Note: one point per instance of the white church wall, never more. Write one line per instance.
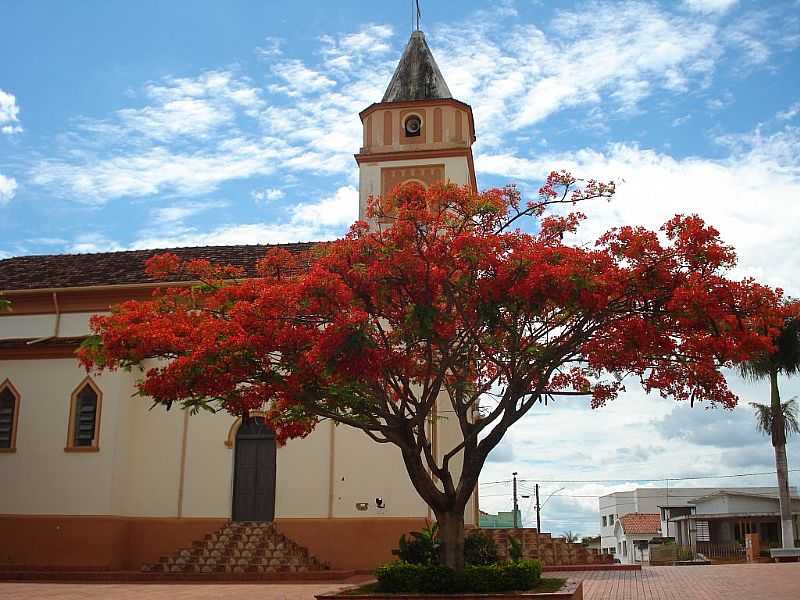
(456, 170)
(36, 326)
(366, 470)
(302, 486)
(120, 477)
(154, 455)
(208, 475)
(40, 477)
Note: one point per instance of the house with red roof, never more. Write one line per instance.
(633, 532)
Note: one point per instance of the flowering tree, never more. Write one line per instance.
(451, 311)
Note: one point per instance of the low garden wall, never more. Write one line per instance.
(572, 590)
(545, 548)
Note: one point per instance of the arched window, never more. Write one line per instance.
(9, 417)
(84, 418)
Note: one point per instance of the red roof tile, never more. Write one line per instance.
(112, 268)
(641, 523)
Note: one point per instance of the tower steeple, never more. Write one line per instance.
(418, 132)
(417, 76)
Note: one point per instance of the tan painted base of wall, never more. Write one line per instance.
(124, 543)
(94, 542)
(356, 543)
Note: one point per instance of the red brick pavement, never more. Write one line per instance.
(176, 591)
(715, 582)
(718, 582)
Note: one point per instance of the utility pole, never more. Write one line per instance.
(538, 511)
(516, 503)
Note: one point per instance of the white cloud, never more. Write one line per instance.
(9, 122)
(248, 233)
(194, 107)
(8, 189)
(182, 211)
(790, 113)
(678, 121)
(344, 52)
(747, 196)
(710, 6)
(340, 210)
(268, 194)
(614, 55)
(325, 219)
(298, 80)
(93, 242)
(721, 102)
(186, 116)
(609, 60)
(97, 180)
(271, 47)
(748, 36)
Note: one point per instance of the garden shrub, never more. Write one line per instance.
(484, 579)
(422, 548)
(480, 549)
(514, 549)
(402, 577)
(523, 574)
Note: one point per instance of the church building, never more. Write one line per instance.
(92, 478)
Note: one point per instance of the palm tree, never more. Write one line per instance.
(570, 537)
(779, 419)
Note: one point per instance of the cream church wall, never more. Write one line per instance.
(208, 471)
(41, 478)
(35, 326)
(374, 137)
(456, 170)
(137, 471)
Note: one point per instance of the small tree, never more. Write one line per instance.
(779, 419)
(450, 305)
(570, 537)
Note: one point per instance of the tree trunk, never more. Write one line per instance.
(451, 537)
(787, 529)
(781, 464)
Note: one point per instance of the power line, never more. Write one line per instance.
(635, 480)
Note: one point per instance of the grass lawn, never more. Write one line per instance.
(550, 584)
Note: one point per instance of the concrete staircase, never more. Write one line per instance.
(542, 546)
(248, 547)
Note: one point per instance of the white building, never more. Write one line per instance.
(669, 503)
(632, 533)
(92, 478)
(724, 518)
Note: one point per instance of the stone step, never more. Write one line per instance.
(239, 548)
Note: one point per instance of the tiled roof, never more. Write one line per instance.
(113, 268)
(641, 522)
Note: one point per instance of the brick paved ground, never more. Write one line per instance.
(728, 582)
(178, 591)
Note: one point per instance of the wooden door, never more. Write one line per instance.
(254, 472)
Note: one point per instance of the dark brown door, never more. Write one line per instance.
(254, 472)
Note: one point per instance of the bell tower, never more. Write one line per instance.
(417, 132)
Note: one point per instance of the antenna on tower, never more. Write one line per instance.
(417, 15)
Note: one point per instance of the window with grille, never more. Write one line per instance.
(702, 532)
(9, 406)
(84, 417)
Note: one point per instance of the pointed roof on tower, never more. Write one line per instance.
(417, 77)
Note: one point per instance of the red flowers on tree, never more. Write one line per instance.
(447, 299)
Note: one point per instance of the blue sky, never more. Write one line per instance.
(156, 124)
